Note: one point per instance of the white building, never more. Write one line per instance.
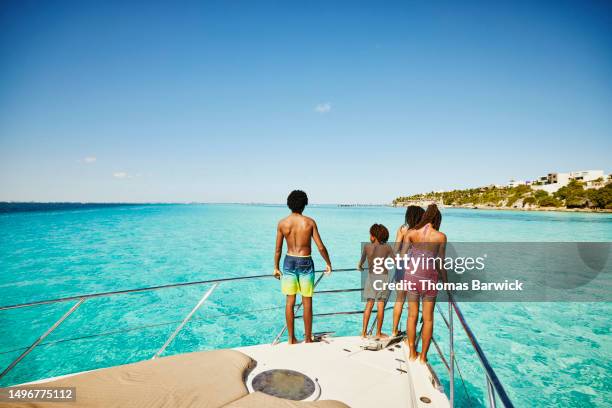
(559, 178)
(549, 188)
(587, 175)
(554, 181)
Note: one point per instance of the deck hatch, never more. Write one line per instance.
(286, 384)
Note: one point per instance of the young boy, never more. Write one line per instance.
(377, 248)
(298, 268)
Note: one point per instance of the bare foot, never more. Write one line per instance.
(413, 355)
(381, 335)
(394, 333)
(422, 359)
(292, 340)
(308, 339)
(364, 335)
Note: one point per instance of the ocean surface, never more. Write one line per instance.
(546, 354)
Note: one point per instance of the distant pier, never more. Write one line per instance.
(419, 203)
(363, 205)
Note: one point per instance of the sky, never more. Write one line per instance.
(242, 101)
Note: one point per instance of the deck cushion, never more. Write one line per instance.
(261, 400)
(209, 379)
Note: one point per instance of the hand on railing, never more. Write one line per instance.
(328, 270)
(277, 273)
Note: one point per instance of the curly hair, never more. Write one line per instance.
(380, 232)
(297, 201)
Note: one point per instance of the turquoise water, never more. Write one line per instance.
(546, 354)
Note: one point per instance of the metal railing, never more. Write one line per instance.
(494, 387)
(82, 298)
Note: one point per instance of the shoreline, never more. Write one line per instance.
(542, 209)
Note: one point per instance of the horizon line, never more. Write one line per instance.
(178, 202)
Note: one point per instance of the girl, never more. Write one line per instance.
(412, 218)
(429, 244)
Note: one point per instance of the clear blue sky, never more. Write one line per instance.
(243, 101)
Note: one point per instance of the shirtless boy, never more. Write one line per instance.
(377, 248)
(298, 268)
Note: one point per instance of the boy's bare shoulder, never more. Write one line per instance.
(368, 247)
(309, 221)
(283, 221)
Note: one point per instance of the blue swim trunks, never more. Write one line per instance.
(298, 276)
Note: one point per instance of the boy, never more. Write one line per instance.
(298, 268)
(377, 248)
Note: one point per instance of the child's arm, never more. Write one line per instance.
(362, 260)
(321, 247)
(399, 240)
(277, 253)
(391, 253)
(442, 255)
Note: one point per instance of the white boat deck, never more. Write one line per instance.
(352, 375)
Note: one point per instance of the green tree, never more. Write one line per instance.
(512, 200)
(522, 189)
(550, 202)
(574, 194)
(573, 189)
(601, 198)
(529, 201)
(540, 194)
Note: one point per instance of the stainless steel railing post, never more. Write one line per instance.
(185, 320)
(452, 353)
(500, 392)
(490, 392)
(42, 337)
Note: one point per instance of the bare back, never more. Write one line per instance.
(427, 238)
(375, 250)
(298, 231)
